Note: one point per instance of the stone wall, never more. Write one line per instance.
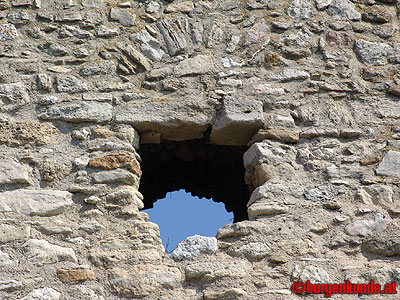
(311, 87)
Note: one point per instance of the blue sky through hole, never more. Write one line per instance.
(180, 215)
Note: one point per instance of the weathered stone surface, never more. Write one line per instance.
(322, 4)
(344, 9)
(13, 173)
(35, 202)
(8, 32)
(390, 164)
(6, 261)
(315, 275)
(42, 252)
(183, 6)
(123, 16)
(210, 271)
(237, 121)
(103, 68)
(70, 84)
(135, 55)
(386, 242)
(143, 280)
(9, 233)
(88, 111)
(173, 37)
(106, 32)
(367, 227)
(193, 246)
(175, 120)
(13, 96)
(117, 160)
(73, 275)
(149, 46)
(43, 294)
(283, 135)
(300, 9)
(115, 176)
(200, 64)
(372, 54)
(21, 133)
(289, 75)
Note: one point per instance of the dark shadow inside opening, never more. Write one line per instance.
(204, 170)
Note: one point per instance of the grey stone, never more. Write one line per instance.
(173, 37)
(93, 3)
(149, 46)
(390, 164)
(386, 243)
(256, 250)
(71, 84)
(197, 29)
(152, 7)
(46, 293)
(42, 252)
(18, 18)
(8, 32)
(89, 111)
(91, 226)
(103, 68)
(9, 233)
(175, 119)
(300, 9)
(344, 9)
(13, 96)
(106, 32)
(48, 100)
(10, 285)
(54, 49)
(123, 16)
(368, 227)
(289, 75)
(319, 194)
(13, 173)
(258, 33)
(322, 4)
(135, 55)
(6, 261)
(193, 246)
(315, 275)
(116, 176)
(180, 6)
(371, 53)
(237, 121)
(35, 202)
(200, 64)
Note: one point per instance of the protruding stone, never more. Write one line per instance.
(123, 16)
(237, 121)
(390, 164)
(43, 294)
(13, 173)
(35, 202)
(89, 111)
(13, 96)
(368, 227)
(200, 64)
(8, 32)
(193, 246)
(42, 252)
(174, 39)
(344, 9)
(300, 9)
(71, 84)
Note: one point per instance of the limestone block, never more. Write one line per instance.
(88, 111)
(13, 173)
(116, 176)
(300, 9)
(149, 46)
(13, 96)
(315, 275)
(175, 120)
(70, 84)
(173, 37)
(344, 9)
(123, 16)
(6, 261)
(368, 227)
(200, 64)
(237, 121)
(42, 252)
(35, 202)
(145, 279)
(43, 294)
(386, 242)
(390, 164)
(193, 246)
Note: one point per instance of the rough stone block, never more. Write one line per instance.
(193, 246)
(175, 120)
(89, 111)
(237, 121)
(13, 173)
(42, 252)
(35, 202)
(390, 164)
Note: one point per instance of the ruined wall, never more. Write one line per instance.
(311, 87)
